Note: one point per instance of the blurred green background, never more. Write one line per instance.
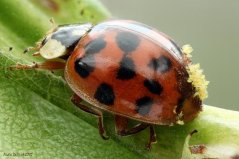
(211, 27)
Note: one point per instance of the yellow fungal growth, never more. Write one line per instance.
(187, 50)
(196, 76)
(198, 80)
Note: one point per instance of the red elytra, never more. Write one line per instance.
(126, 68)
(148, 71)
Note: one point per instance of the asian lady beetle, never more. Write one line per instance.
(126, 68)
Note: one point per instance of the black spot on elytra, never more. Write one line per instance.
(95, 46)
(105, 94)
(153, 86)
(143, 105)
(84, 66)
(161, 64)
(127, 41)
(180, 105)
(126, 70)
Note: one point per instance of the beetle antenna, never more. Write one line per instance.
(36, 48)
(29, 49)
(52, 21)
(36, 53)
(54, 26)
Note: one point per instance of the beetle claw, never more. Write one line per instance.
(105, 137)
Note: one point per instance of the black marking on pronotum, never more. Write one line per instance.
(10, 48)
(84, 66)
(161, 64)
(126, 70)
(65, 37)
(143, 105)
(105, 94)
(180, 105)
(127, 41)
(153, 86)
(69, 35)
(95, 46)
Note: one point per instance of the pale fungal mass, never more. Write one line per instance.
(196, 76)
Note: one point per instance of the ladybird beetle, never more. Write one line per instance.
(128, 69)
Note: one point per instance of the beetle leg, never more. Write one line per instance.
(77, 101)
(121, 125)
(152, 137)
(47, 65)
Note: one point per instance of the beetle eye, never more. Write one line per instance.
(44, 41)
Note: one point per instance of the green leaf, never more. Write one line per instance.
(31, 124)
(37, 117)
